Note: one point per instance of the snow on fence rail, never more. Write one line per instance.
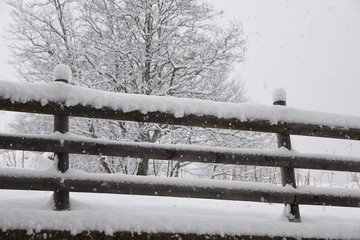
(71, 143)
(63, 100)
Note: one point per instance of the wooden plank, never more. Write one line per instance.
(288, 173)
(61, 198)
(174, 152)
(61, 124)
(189, 120)
(327, 200)
(15, 234)
(139, 188)
(255, 194)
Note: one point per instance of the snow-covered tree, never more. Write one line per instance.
(152, 47)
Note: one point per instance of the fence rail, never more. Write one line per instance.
(290, 128)
(64, 144)
(101, 183)
(90, 146)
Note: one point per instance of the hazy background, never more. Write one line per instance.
(311, 48)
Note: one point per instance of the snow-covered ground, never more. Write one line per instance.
(33, 211)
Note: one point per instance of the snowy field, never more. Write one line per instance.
(33, 211)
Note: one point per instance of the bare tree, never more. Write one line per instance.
(152, 47)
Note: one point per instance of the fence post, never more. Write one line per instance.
(62, 73)
(287, 174)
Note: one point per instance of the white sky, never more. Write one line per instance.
(7, 73)
(311, 48)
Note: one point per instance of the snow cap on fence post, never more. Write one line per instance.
(62, 73)
(279, 94)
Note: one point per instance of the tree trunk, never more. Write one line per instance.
(104, 164)
(143, 167)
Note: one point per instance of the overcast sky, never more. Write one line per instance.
(311, 48)
(6, 71)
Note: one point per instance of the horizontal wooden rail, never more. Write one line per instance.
(290, 128)
(51, 184)
(176, 188)
(81, 145)
(58, 234)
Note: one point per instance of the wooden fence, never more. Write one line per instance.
(63, 145)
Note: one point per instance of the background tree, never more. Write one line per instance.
(153, 47)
